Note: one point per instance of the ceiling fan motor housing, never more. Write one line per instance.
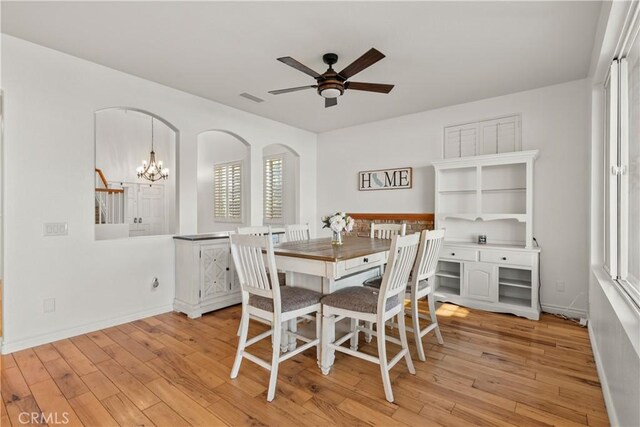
(330, 84)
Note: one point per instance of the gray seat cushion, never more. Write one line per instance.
(363, 299)
(376, 282)
(291, 299)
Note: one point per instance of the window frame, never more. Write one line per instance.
(227, 218)
(265, 218)
(616, 170)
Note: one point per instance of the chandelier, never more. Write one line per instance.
(152, 171)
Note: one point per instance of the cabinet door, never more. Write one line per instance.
(214, 264)
(480, 281)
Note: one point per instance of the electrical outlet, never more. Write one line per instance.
(55, 229)
(560, 286)
(49, 305)
(155, 283)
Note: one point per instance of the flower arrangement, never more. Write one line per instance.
(338, 222)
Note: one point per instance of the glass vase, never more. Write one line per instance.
(336, 239)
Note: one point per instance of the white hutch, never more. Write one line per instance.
(489, 195)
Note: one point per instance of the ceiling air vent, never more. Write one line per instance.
(251, 97)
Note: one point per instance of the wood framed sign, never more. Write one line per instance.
(385, 179)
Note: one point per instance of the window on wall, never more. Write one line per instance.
(274, 189)
(622, 168)
(227, 191)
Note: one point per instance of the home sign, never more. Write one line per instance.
(385, 179)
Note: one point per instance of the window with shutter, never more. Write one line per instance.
(227, 191)
(274, 189)
(499, 135)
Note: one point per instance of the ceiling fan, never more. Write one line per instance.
(331, 84)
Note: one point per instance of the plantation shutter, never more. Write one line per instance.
(227, 191)
(273, 188)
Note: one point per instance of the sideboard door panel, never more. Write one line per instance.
(214, 262)
(480, 281)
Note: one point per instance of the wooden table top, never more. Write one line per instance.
(323, 250)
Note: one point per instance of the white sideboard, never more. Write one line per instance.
(489, 195)
(205, 274)
(205, 277)
(498, 278)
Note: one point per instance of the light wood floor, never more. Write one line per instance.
(169, 371)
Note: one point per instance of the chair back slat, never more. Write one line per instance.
(387, 231)
(428, 252)
(256, 269)
(402, 256)
(297, 232)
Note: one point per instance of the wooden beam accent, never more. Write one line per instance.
(109, 190)
(394, 216)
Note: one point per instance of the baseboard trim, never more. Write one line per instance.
(604, 385)
(10, 347)
(566, 311)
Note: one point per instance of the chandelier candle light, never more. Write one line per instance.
(338, 222)
(152, 171)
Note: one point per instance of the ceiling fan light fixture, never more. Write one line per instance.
(330, 92)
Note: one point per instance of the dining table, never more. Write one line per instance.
(321, 266)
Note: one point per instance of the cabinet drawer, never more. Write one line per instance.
(513, 258)
(459, 254)
(355, 263)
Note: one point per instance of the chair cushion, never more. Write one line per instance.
(376, 282)
(363, 299)
(291, 299)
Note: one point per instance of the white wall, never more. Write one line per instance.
(50, 100)
(554, 120)
(123, 141)
(213, 148)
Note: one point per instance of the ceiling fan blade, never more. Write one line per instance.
(369, 87)
(330, 102)
(291, 89)
(366, 60)
(298, 66)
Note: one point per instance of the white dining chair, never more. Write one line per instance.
(264, 298)
(387, 231)
(363, 303)
(423, 274)
(297, 232)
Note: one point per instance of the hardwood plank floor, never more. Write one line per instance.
(168, 370)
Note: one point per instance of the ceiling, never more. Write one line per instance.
(438, 53)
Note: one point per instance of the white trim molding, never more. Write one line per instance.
(10, 347)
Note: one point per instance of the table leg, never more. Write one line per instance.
(328, 337)
(293, 327)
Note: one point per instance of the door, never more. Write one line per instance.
(214, 271)
(480, 281)
(131, 209)
(151, 209)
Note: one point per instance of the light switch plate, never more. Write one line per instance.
(55, 229)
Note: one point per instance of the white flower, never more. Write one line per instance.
(342, 214)
(350, 224)
(338, 226)
(335, 218)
